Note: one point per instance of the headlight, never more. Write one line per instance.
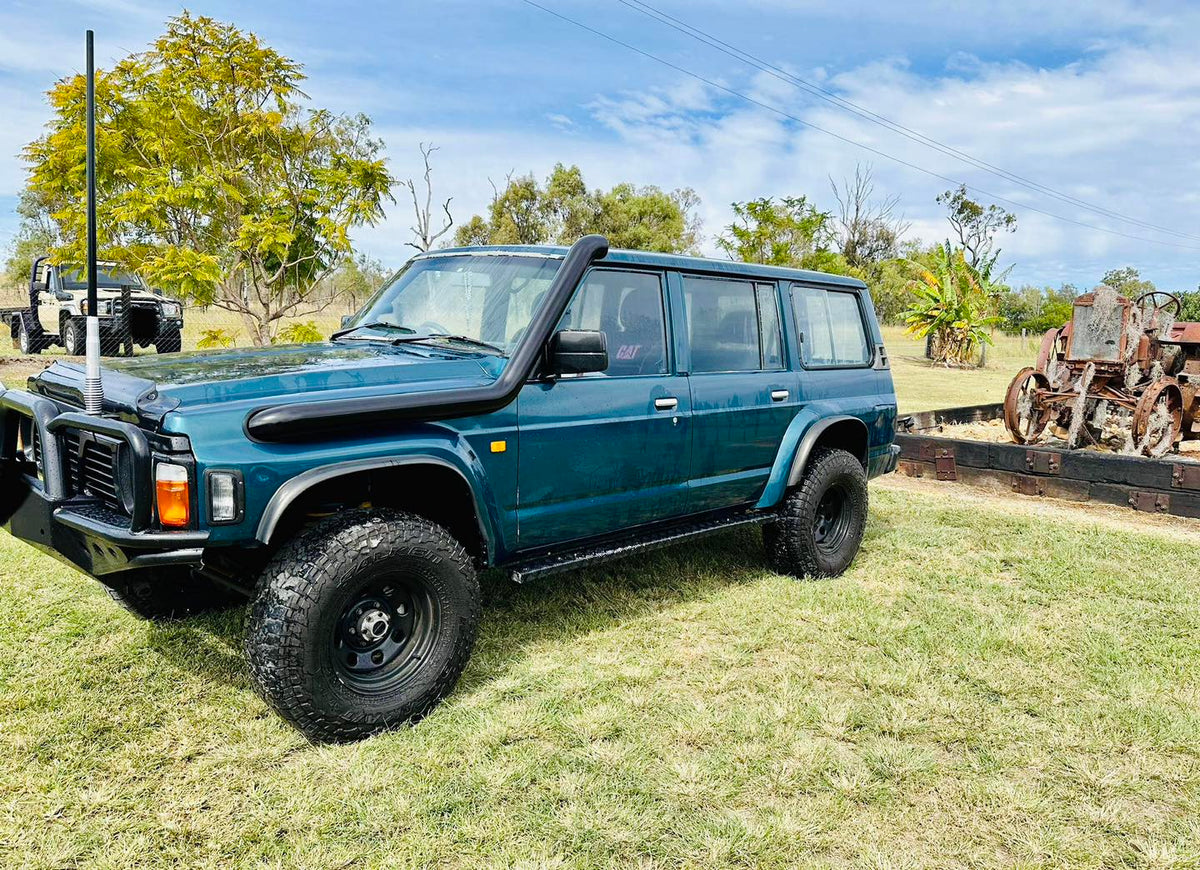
(103, 307)
(172, 309)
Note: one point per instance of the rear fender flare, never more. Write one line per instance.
(798, 442)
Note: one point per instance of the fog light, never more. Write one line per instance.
(222, 497)
(171, 487)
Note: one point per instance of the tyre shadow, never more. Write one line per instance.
(515, 616)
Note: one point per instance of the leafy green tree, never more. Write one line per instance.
(563, 209)
(1190, 306)
(952, 304)
(36, 235)
(213, 180)
(976, 225)
(789, 231)
(1128, 282)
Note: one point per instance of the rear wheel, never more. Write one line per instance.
(25, 341)
(822, 521)
(163, 595)
(362, 622)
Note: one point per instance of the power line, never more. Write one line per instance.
(894, 126)
(899, 160)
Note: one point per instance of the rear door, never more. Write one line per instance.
(47, 310)
(743, 396)
(836, 351)
(605, 451)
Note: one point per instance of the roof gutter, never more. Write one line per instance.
(307, 419)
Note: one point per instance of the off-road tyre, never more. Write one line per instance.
(165, 595)
(169, 342)
(794, 543)
(25, 342)
(74, 338)
(304, 609)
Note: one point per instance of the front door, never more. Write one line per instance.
(47, 309)
(604, 452)
(743, 396)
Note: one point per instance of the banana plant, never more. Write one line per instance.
(952, 303)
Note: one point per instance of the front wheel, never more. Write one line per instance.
(822, 521)
(362, 622)
(73, 337)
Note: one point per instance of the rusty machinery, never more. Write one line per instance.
(1118, 371)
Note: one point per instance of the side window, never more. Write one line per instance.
(733, 325)
(768, 326)
(831, 326)
(628, 308)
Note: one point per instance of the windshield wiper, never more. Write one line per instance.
(375, 324)
(465, 339)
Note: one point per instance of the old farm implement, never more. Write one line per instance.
(1121, 374)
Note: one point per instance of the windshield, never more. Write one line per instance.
(480, 298)
(106, 276)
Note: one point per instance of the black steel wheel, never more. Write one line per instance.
(822, 520)
(362, 622)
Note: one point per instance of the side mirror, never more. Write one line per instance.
(158, 291)
(346, 318)
(578, 351)
(63, 296)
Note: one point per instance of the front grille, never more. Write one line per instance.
(92, 466)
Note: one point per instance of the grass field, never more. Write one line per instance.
(996, 682)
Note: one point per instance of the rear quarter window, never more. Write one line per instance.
(832, 330)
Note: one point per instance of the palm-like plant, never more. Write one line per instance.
(952, 303)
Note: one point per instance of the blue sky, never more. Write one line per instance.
(1098, 100)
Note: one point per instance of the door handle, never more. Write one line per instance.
(667, 404)
(779, 395)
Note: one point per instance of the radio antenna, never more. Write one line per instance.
(93, 387)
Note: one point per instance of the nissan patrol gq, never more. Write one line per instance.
(531, 409)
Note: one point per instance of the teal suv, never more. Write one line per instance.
(531, 409)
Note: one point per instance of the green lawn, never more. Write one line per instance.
(1002, 692)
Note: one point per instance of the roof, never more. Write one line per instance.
(662, 261)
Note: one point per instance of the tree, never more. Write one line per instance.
(36, 235)
(423, 233)
(563, 209)
(1128, 282)
(952, 304)
(213, 181)
(868, 230)
(975, 225)
(787, 232)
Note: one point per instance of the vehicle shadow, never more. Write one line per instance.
(515, 616)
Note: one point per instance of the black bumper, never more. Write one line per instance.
(36, 507)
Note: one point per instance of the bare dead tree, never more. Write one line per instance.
(869, 230)
(423, 231)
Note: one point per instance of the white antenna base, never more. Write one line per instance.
(93, 388)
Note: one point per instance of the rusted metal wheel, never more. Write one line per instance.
(1049, 345)
(1158, 418)
(1024, 414)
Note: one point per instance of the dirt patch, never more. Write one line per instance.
(995, 430)
(16, 370)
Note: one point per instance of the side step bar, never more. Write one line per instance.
(651, 539)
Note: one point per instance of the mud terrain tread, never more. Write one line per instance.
(789, 542)
(283, 609)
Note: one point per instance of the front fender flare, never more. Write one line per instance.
(797, 445)
(295, 487)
